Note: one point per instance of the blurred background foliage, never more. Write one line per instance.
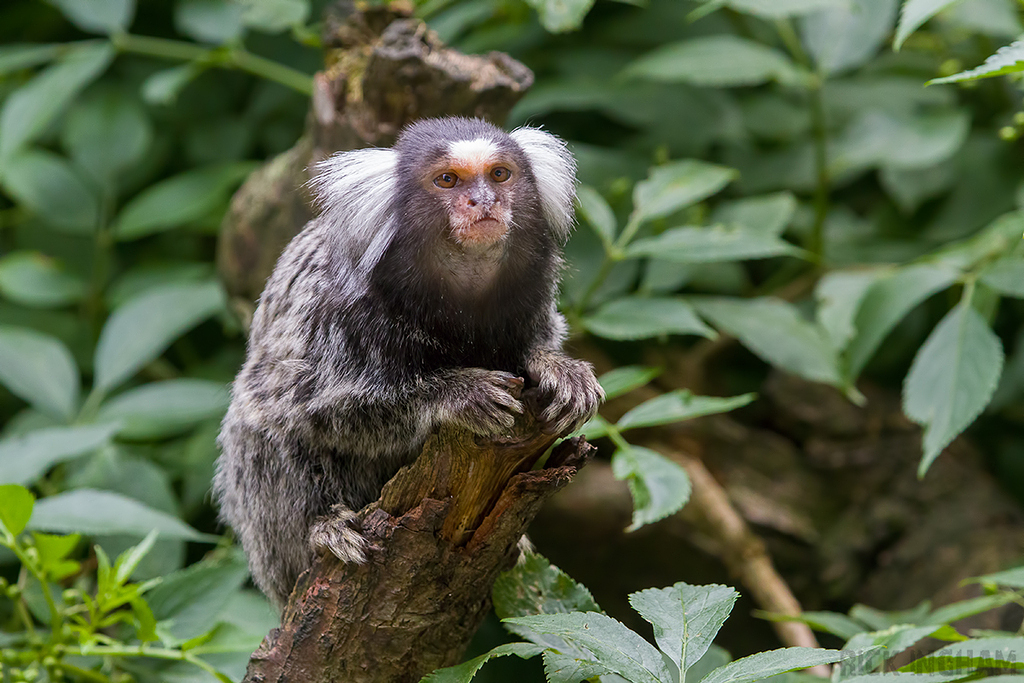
(772, 171)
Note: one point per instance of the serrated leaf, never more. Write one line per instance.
(33, 279)
(1008, 59)
(614, 647)
(179, 200)
(767, 215)
(625, 379)
(140, 330)
(1006, 276)
(692, 244)
(98, 16)
(719, 61)
(559, 16)
(952, 379)
(839, 294)
(595, 210)
(845, 37)
(210, 21)
(107, 134)
(39, 369)
(189, 601)
(16, 504)
(659, 486)
(765, 664)
(677, 185)
(886, 303)
(160, 409)
(30, 109)
(535, 586)
(1002, 653)
(679, 405)
(642, 318)
(914, 14)
(685, 618)
(776, 332)
(463, 673)
(27, 55)
(24, 459)
(48, 186)
(91, 512)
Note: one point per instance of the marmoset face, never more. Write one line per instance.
(477, 183)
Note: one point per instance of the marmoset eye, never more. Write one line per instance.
(446, 180)
(500, 174)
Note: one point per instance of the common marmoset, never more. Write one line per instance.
(422, 295)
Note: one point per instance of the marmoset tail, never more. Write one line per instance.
(422, 295)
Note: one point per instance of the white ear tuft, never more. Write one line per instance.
(555, 170)
(356, 191)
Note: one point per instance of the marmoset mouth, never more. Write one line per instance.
(482, 232)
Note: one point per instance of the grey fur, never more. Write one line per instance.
(359, 347)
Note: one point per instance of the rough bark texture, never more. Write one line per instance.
(384, 70)
(442, 530)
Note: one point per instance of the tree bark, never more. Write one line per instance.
(441, 532)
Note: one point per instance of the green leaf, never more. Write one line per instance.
(1011, 578)
(692, 244)
(613, 647)
(180, 200)
(27, 55)
(778, 9)
(39, 369)
(160, 409)
(1008, 59)
(274, 16)
(896, 677)
(878, 646)
(107, 134)
(188, 602)
(947, 614)
(15, 508)
(1006, 276)
(685, 618)
(30, 109)
(53, 551)
(210, 21)
(899, 141)
(98, 16)
(848, 35)
(33, 279)
(463, 673)
(677, 185)
(91, 512)
(163, 87)
(140, 330)
(830, 622)
(839, 294)
(535, 586)
(642, 318)
(128, 560)
(559, 16)
(659, 486)
(597, 213)
(914, 14)
(952, 379)
(679, 405)
(48, 186)
(719, 61)
(886, 303)
(1002, 653)
(595, 428)
(776, 332)
(24, 459)
(767, 215)
(765, 664)
(625, 379)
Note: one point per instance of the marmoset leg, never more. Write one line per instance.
(570, 387)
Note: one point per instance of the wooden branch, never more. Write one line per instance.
(441, 532)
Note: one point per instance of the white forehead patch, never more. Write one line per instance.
(472, 153)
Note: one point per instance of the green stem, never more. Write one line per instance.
(56, 621)
(616, 436)
(84, 673)
(237, 57)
